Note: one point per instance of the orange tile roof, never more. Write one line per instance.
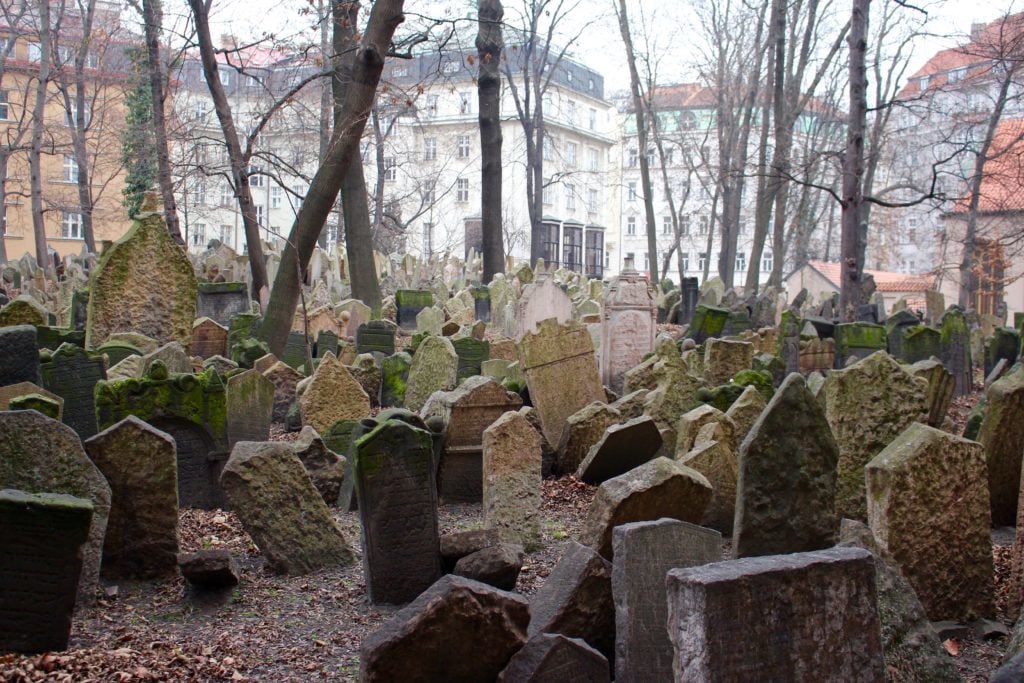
(1002, 183)
(885, 281)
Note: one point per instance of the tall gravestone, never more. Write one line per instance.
(628, 326)
(434, 368)
(332, 394)
(956, 348)
(143, 283)
(511, 480)
(19, 355)
(394, 479)
(409, 302)
(1001, 434)
(41, 537)
(250, 406)
(71, 372)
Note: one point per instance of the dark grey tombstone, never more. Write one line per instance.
(553, 658)
(41, 536)
(471, 352)
(789, 341)
(394, 479)
(920, 343)
(72, 373)
(294, 353)
(394, 378)
(376, 336)
(482, 303)
(623, 447)
(339, 438)
(409, 302)
(1004, 345)
(221, 301)
(956, 348)
(79, 308)
(326, 342)
(896, 326)
(19, 355)
(199, 466)
(690, 288)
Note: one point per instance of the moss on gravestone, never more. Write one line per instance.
(44, 404)
(248, 351)
(757, 378)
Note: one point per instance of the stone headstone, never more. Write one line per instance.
(762, 618)
(376, 336)
(497, 565)
(143, 283)
(744, 412)
(19, 355)
(71, 372)
(512, 479)
(940, 388)
(250, 407)
(209, 338)
(333, 394)
(540, 301)
(920, 343)
(724, 358)
(326, 469)
(628, 326)
(786, 490)
(409, 303)
(707, 322)
(1003, 345)
(24, 310)
(394, 379)
(41, 538)
(857, 341)
(621, 448)
(896, 326)
(716, 460)
(457, 630)
(1001, 435)
(472, 353)
(644, 554)
(269, 490)
(935, 306)
(434, 368)
(394, 480)
(220, 301)
(140, 465)
(284, 378)
(583, 429)
(12, 392)
(553, 658)
(172, 355)
(920, 486)
(956, 349)
(41, 455)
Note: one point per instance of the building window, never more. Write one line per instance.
(702, 222)
(200, 191)
(592, 119)
(400, 71)
(259, 214)
(275, 197)
(34, 53)
(570, 154)
(549, 243)
(462, 145)
(225, 77)
(428, 239)
(549, 149)
(957, 75)
(669, 154)
(684, 259)
(255, 177)
(465, 103)
(571, 112)
(198, 234)
(647, 262)
(630, 225)
(684, 224)
(630, 258)
(548, 195)
(666, 225)
(595, 249)
(767, 262)
(431, 109)
(741, 261)
(71, 117)
(592, 204)
(634, 157)
(632, 190)
(428, 195)
(429, 149)
(462, 190)
(71, 225)
(568, 76)
(224, 234)
(5, 108)
(592, 159)
(572, 247)
(70, 169)
(390, 168)
(650, 157)
(570, 197)
(252, 81)
(227, 195)
(702, 262)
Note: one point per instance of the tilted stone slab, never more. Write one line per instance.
(623, 447)
(553, 658)
(1002, 436)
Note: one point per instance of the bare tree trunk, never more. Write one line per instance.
(378, 188)
(239, 172)
(763, 206)
(5, 156)
(326, 106)
(385, 16)
(641, 136)
(489, 44)
(853, 232)
(38, 128)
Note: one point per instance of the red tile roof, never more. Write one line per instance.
(1002, 183)
(885, 281)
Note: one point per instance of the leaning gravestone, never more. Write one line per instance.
(623, 447)
(553, 658)
(277, 504)
(941, 386)
(644, 554)
(511, 480)
(394, 479)
(250, 406)
(923, 484)
(71, 372)
(142, 532)
(143, 283)
(786, 490)
(540, 301)
(1001, 435)
(326, 469)
(40, 455)
(707, 322)
(434, 368)
(41, 535)
(19, 355)
(772, 618)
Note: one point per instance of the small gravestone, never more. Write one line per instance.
(38, 454)
(434, 368)
(935, 306)
(584, 429)
(221, 301)
(744, 412)
(409, 302)
(921, 343)
(956, 349)
(785, 499)
(41, 538)
(326, 469)
(857, 341)
(481, 303)
(332, 394)
(723, 358)
(623, 447)
(940, 388)
(117, 351)
(708, 321)
(44, 404)
(716, 460)
(394, 379)
(644, 554)
(250, 406)
(693, 421)
(472, 353)
(172, 355)
(511, 480)
(140, 465)
(896, 326)
(19, 355)
(553, 658)
(340, 438)
(1001, 435)
(1003, 345)
(72, 373)
(209, 338)
(12, 392)
(280, 509)
(24, 310)
(540, 301)
(284, 378)
(394, 480)
(294, 352)
(430, 320)
(771, 618)
(924, 483)
(358, 314)
(376, 336)
(326, 342)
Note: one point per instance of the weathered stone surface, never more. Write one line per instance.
(278, 506)
(788, 617)
(941, 387)
(457, 630)
(472, 353)
(786, 489)
(394, 379)
(140, 465)
(326, 469)
(434, 368)
(19, 355)
(576, 600)
(209, 338)
(284, 378)
(1001, 435)
(716, 460)
(744, 412)
(644, 554)
(250, 407)
(956, 348)
(458, 544)
(553, 658)
(41, 455)
(40, 562)
(43, 404)
(11, 392)
(541, 301)
(144, 283)
(659, 488)
(71, 372)
(24, 310)
(913, 650)
(628, 326)
(333, 394)
(172, 355)
(561, 373)
(221, 301)
(369, 375)
(394, 480)
(920, 486)
(512, 479)
(375, 336)
(621, 448)
(497, 565)
(583, 430)
(857, 341)
(128, 368)
(1010, 672)
(408, 304)
(693, 421)
(209, 569)
(723, 358)
(868, 405)
(631, 405)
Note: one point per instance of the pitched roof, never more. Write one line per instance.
(885, 281)
(1002, 182)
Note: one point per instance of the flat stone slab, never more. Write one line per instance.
(623, 447)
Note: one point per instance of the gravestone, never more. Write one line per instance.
(250, 407)
(935, 306)
(409, 303)
(1003, 345)
(284, 378)
(644, 554)
(209, 338)
(561, 373)
(340, 438)
(19, 355)
(582, 431)
(358, 312)
(800, 617)
(140, 465)
(430, 321)
(326, 342)
(708, 321)
(172, 355)
(1001, 435)
(744, 412)
(269, 490)
(71, 372)
(41, 455)
(434, 368)
(24, 310)
(716, 460)
(789, 341)
(956, 349)
(332, 394)
(28, 396)
(394, 379)
(41, 538)
(481, 303)
(294, 352)
(221, 301)
(921, 343)
(786, 489)
(690, 292)
(467, 411)
(921, 485)
(553, 658)
(394, 480)
(512, 480)
(540, 301)
(326, 469)
(143, 283)
(117, 351)
(623, 447)
(472, 353)
(857, 341)
(376, 336)
(896, 325)
(628, 326)
(940, 388)
(723, 358)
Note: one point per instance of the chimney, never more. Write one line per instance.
(976, 31)
(228, 41)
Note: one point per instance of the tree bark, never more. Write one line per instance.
(853, 239)
(385, 16)
(38, 128)
(489, 43)
(4, 158)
